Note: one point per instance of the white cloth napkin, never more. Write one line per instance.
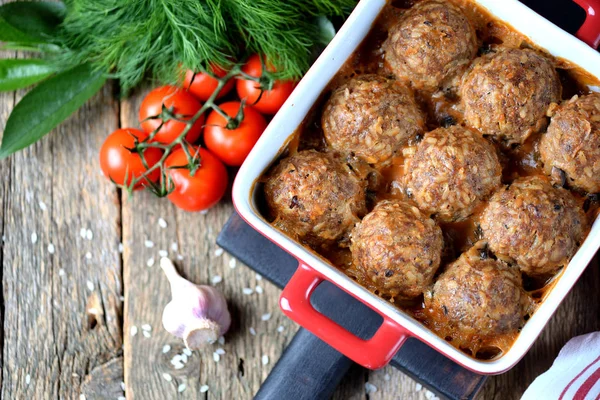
(574, 375)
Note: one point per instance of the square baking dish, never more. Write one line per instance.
(397, 326)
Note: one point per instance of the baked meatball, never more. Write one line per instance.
(572, 144)
(479, 296)
(315, 197)
(372, 117)
(397, 249)
(452, 170)
(433, 42)
(535, 224)
(507, 94)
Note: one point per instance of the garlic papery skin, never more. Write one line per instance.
(197, 313)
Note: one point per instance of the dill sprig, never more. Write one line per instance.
(161, 38)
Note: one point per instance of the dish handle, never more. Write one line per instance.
(372, 353)
(589, 32)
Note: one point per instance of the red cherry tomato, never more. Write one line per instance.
(271, 100)
(233, 145)
(204, 85)
(182, 103)
(120, 164)
(202, 190)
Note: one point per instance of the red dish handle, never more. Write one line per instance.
(373, 353)
(590, 30)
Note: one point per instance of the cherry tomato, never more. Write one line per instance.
(120, 164)
(271, 100)
(202, 190)
(204, 85)
(181, 102)
(233, 145)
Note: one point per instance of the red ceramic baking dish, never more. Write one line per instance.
(397, 326)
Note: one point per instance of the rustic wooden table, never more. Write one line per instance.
(72, 298)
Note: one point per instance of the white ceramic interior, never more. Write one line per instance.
(273, 140)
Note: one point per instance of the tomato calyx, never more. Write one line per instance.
(232, 122)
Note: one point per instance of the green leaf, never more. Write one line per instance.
(48, 104)
(30, 21)
(17, 74)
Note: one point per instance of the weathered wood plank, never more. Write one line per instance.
(240, 371)
(52, 338)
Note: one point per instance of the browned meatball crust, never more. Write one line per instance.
(507, 94)
(397, 249)
(572, 143)
(535, 224)
(372, 117)
(433, 42)
(452, 171)
(479, 296)
(315, 197)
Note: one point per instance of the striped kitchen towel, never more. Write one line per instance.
(574, 375)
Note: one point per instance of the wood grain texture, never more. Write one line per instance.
(240, 371)
(51, 339)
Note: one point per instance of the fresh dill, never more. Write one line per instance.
(160, 39)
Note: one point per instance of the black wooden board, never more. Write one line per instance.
(309, 369)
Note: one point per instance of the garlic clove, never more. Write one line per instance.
(197, 313)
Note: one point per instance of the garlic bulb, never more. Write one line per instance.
(197, 313)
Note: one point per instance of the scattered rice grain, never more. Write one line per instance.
(133, 331)
(147, 327)
(88, 255)
(150, 262)
(216, 279)
(174, 246)
(220, 351)
(121, 247)
(167, 377)
(266, 317)
(429, 395)
(148, 243)
(121, 398)
(259, 289)
(90, 285)
(61, 272)
(82, 396)
(265, 359)
(232, 263)
(219, 252)
(386, 377)
(179, 257)
(252, 331)
(181, 387)
(258, 277)
(82, 232)
(247, 291)
(122, 385)
(204, 388)
(146, 334)
(280, 328)
(27, 379)
(418, 387)
(34, 238)
(43, 206)
(178, 365)
(221, 340)
(370, 388)
(163, 253)
(162, 223)
(89, 235)
(216, 357)
(51, 248)
(187, 352)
